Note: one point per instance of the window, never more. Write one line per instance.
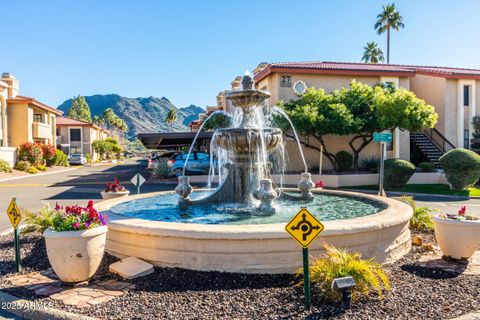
(59, 131)
(286, 81)
(466, 139)
(466, 96)
(38, 117)
(300, 87)
(75, 135)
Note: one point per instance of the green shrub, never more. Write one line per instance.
(41, 167)
(344, 160)
(397, 173)
(22, 165)
(422, 217)
(426, 166)
(368, 275)
(60, 159)
(32, 170)
(461, 167)
(163, 168)
(4, 166)
(88, 158)
(370, 164)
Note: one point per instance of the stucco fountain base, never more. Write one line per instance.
(264, 248)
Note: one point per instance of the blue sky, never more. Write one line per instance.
(188, 51)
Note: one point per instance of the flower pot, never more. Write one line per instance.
(457, 238)
(111, 195)
(75, 255)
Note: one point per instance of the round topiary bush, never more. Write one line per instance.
(22, 165)
(4, 166)
(397, 173)
(344, 160)
(461, 167)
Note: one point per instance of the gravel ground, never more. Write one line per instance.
(417, 293)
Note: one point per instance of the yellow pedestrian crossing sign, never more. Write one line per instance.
(14, 213)
(304, 227)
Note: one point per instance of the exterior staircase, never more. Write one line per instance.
(431, 143)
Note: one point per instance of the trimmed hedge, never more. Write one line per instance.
(397, 173)
(426, 166)
(461, 167)
(344, 160)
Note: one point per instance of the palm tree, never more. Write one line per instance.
(388, 19)
(171, 117)
(372, 53)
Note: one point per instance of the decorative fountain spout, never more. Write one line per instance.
(247, 147)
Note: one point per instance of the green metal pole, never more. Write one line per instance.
(18, 265)
(306, 278)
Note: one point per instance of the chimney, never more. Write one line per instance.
(13, 84)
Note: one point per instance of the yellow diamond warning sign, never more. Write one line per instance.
(304, 227)
(14, 214)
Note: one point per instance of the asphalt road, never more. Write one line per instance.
(71, 187)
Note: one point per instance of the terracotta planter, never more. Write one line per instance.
(457, 238)
(75, 255)
(111, 195)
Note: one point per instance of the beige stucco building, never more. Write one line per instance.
(454, 92)
(22, 119)
(76, 136)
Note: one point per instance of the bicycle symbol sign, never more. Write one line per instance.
(304, 227)
(14, 214)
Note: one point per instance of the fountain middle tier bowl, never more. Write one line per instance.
(248, 140)
(373, 226)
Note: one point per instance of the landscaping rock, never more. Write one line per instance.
(131, 268)
(417, 240)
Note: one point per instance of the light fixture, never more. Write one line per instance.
(344, 286)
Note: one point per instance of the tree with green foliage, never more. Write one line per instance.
(171, 117)
(389, 19)
(107, 148)
(217, 121)
(372, 53)
(112, 121)
(358, 111)
(79, 109)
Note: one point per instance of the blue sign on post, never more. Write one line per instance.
(382, 137)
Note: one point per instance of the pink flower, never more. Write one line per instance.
(319, 184)
(462, 211)
(76, 225)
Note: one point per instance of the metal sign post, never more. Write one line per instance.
(15, 217)
(383, 138)
(138, 180)
(305, 228)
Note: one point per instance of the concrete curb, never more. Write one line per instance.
(36, 175)
(397, 193)
(33, 310)
(469, 316)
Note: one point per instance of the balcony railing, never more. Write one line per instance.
(42, 130)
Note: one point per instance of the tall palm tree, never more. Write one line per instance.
(388, 19)
(171, 117)
(372, 53)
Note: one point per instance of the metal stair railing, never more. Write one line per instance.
(438, 139)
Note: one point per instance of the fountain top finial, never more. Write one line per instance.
(247, 81)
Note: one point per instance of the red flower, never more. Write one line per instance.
(462, 211)
(90, 204)
(319, 184)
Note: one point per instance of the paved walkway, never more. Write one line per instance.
(71, 187)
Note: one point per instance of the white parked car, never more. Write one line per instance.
(77, 158)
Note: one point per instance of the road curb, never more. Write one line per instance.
(36, 175)
(23, 308)
(397, 193)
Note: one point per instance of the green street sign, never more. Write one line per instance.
(382, 137)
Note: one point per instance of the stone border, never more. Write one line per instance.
(23, 310)
(265, 248)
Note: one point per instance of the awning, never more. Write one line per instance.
(172, 140)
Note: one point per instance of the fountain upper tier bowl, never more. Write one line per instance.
(246, 99)
(243, 141)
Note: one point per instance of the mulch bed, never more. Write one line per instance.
(417, 292)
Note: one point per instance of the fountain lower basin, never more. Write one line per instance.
(255, 248)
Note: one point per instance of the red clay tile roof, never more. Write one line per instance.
(66, 121)
(352, 68)
(29, 100)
